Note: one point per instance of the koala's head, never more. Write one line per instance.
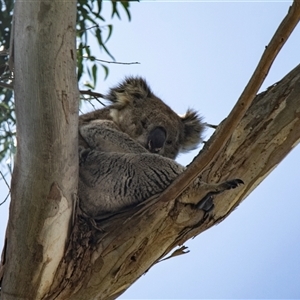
(149, 121)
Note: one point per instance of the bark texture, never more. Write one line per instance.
(45, 175)
(105, 257)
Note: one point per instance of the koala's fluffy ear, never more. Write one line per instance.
(193, 130)
(128, 89)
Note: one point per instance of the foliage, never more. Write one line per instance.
(89, 16)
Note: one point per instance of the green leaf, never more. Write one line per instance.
(99, 38)
(94, 72)
(87, 50)
(89, 72)
(89, 85)
(79, 61)
(99, 2)
(126, 7)
(110, 29)
(114, 9)
(106, 70)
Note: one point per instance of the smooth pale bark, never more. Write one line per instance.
(45, 176)
(104, 258)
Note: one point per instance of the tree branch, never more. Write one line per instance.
(280, 37)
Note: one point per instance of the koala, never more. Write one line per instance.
(127, 149)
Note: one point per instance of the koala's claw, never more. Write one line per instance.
(232, 184)
(211, 126)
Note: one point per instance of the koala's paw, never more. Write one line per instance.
(206, 203)
(232, 184)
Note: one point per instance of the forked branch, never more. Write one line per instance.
(223, 135)
(105, 257)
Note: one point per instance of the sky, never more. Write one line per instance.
(201, 55)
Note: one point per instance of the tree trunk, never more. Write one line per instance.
(45, 175)
(105, 257)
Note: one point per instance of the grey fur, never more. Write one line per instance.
(116, 167)
(112, 181)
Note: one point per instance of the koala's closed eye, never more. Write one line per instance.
(156, 139)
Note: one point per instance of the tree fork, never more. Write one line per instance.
(281, 35)
(105, 257)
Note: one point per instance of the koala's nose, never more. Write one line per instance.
(156, 139)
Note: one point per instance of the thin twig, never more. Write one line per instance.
(7, 186)
(5, 199)
(6, 85)
(5, 180)
(86, 29)
(4, 52)
(112, 62)
(93, 94)
(223, 135)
